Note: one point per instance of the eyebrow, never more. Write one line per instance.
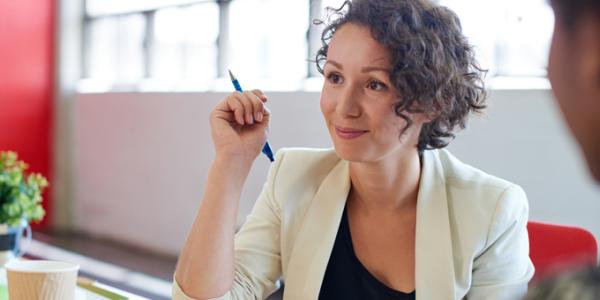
(364, 69)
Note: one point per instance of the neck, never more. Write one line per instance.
(388, 185)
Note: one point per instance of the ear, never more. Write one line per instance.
(434, 114)
(422, 115)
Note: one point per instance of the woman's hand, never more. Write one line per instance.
(239, 125)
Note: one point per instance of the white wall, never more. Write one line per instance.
(141, 159)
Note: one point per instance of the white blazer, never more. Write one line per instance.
(471, 236)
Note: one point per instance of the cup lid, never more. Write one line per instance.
(40, 266)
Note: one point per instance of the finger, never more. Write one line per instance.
(260, 95)
(257, 106)
(266, 118)
(235, 104)
(247, 101)
(226, 115)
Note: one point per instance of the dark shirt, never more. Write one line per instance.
(346, 277)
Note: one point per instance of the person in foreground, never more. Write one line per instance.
(574, 72)
(386, 214)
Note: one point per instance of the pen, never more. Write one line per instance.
(266, 148)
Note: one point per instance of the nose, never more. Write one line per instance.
(348, 104)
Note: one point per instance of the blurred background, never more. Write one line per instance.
(110, 100)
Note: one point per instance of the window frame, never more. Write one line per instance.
(148, 10)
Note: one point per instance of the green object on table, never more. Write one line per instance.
(3, 292)
(100, 291)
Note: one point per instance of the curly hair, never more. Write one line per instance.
(433, 66)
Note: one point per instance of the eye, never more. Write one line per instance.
(376, 85)
(334, 78)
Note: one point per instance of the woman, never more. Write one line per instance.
(387, 214)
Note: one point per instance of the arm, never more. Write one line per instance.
(257, 260)
(206, 264)
(503, 269)
(205, 267)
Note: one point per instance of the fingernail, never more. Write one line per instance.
(259, 116)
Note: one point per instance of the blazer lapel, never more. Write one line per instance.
(434, 265)
(315, 239)
(434, 262)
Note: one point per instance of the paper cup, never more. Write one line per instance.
(41, 279)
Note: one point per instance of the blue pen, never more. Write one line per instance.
(266, 148)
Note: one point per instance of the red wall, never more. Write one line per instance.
(26, 83)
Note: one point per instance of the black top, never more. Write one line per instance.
(347, 278)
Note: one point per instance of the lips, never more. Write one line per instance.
(349, 133)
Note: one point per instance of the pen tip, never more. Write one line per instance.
(231, 75)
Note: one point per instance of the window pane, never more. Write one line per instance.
(102, 49)
(266, 43)
(113, 7)
(116, 48)
(130, 58)
(185, 42)
(512, 37)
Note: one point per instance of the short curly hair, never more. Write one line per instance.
(433, 65)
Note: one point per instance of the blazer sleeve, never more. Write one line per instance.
(257, 248)
(503, 269)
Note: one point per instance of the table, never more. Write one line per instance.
(132, 285)
(80, 293)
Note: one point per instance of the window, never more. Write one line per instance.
(115, 51)
(129, 45)
(190, 44)
(264, 43)
(511, 37)
(185, 43)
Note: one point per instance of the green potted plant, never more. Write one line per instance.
(20, 203)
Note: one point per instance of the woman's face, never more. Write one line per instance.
(358, 98)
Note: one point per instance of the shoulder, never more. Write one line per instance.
(299, 171)
(478, 199)
(305, 163)
(307, 158)
(475, 185)
(461, 175)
